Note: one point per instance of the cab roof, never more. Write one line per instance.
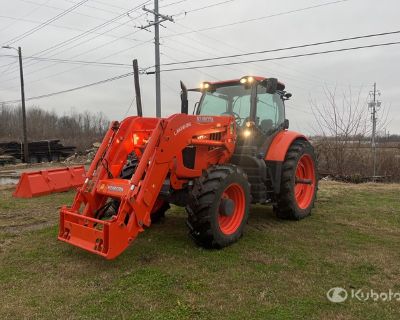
(281, 85)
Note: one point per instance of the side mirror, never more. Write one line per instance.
(271, 85)
(287, 96)
(184, 99)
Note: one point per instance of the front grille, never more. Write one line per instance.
(216, 136)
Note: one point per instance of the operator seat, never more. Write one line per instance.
(266, 125)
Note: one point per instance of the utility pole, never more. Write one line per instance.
(158, 19)
(157, 59)
(374, 106)
(24, 129)
(137, 89)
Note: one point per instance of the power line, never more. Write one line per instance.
(173, 59)
(129, 107)
(172, 3)
(62, 26)
(204, 48)
(287, 48)
(74, 68)
(207, 66)
(8, 66)
(56, 8)
(97, 8)
(39, 6)
(76, 12)
(83, 34)
(70, 1)
(230, 46)
(208, 6)
(282, 57)
(77, 55)
(219, 42)
(116, 64)
(256, 19)
(42, 25)
(64, 43)
(72, 89)
(89, 31)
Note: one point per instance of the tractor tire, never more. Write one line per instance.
(299, 182)
(160, 207)
(158, 213)
(219, 206)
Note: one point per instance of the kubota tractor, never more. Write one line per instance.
(234, 151)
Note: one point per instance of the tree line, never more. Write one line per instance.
(80, 129)
(342, 137)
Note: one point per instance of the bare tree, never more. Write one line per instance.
(78, 129)
(343, 128)
(341, 121)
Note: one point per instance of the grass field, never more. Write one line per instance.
(278, 270)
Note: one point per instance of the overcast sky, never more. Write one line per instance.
(122, 40)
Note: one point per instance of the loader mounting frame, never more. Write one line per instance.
(160, 146)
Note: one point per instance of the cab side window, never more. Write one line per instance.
(270, 110)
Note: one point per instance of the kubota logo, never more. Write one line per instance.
(115, 188)
(337, 295)
(205, 119)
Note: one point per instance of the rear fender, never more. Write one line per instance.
(276, 155)
(281, 143)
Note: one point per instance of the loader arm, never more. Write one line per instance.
(161, 146)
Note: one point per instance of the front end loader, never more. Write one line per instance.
(234, 151)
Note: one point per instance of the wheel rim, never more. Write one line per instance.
(304, 181)
(229, 224)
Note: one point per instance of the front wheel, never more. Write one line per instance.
(219, 208)
(160, 206)
(299, 182)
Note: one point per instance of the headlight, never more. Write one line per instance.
(250, 124)
(204, 86)
(247, 133)
(247, 80)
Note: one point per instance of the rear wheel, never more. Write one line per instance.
(299, 182)
(219, 208)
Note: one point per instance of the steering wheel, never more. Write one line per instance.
(238, 119)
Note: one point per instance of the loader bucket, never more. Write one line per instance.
(43, 182)
(105, 238)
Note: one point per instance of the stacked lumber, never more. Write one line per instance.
(39, 151)
(5, 159)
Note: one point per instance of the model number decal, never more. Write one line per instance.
(183, 127)
(115, 189)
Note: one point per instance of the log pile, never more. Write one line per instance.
(39, 151)
(84, 157)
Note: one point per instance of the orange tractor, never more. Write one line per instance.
(234, 151)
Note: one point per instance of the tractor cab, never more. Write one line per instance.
(256, 103)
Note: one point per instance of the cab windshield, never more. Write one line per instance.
(229, 100)
(236, 100)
